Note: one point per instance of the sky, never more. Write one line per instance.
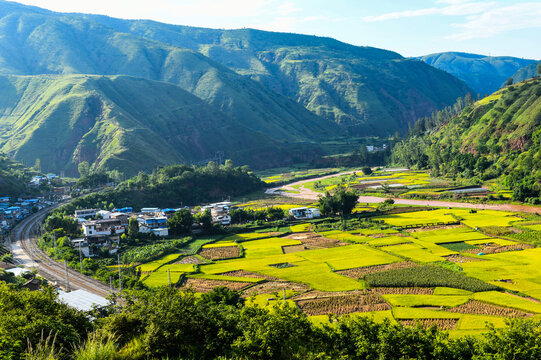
(409, 27)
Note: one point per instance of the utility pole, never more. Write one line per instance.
(169, 276)
(67, 276)
(111, 284)
(119, 274)
(80, 257)
(54, 243)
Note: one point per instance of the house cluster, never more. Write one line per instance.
(38, 180)
(104, 228)
(13, 210)
(219, 212)
(302, 213)
(372, 148)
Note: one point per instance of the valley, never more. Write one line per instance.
(221, 191)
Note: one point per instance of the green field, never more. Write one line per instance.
(474, 277)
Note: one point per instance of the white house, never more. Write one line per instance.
(85, 213)
(106, 215)
(304, 213)
(100, 228)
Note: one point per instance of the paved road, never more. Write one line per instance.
(304, 193)
(26, 252)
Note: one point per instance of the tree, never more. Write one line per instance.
(509, 81)
(84, 169)
(539, 69)
(205, 219)
(341, 202)
(181, 222)
(37, 165)
(275, 213)
(367, 170)
(133, 228)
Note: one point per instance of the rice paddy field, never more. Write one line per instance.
(431, 266)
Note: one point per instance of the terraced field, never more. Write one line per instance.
(427, 273)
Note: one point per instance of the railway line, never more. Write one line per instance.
(27, 253)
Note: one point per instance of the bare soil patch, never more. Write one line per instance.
(220, 253)
(206, 285)
(461, 259)
(190, 260)
(480, 308)
(272, 286)
(312, 240)
(341, 305)
(403, 291)
(432, 228)
(496, 249)
(247, 274)
(357, 273)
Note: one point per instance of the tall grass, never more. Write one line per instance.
(44, 350)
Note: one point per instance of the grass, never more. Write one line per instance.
(154, 265)
(417, 313)
(426, 300)
(347, 257)
(414, 252)
(450, 291)
(161, 278)
(508, 300)
(458, 246)
(418, 218)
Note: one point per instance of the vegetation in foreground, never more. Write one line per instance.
(166, 323)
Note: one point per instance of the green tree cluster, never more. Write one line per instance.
(341, 202)
(165, 323)
(175, 186)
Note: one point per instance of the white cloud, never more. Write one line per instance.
(288, 23)
(499, 20)
(453, 8)
(287, 8)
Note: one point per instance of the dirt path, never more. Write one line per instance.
(308, 194)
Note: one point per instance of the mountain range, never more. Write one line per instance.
(263, 90)
(484, 74)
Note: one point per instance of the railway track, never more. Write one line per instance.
(25, 236)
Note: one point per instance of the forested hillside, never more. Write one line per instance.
(484, 74)
(366, 90)
(527, 72)
(175, 185)
(35, 41)
(499, 135)
(122, 123)
(14, 177)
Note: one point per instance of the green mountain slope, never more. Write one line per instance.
(14, 177)
(484, 74)
(498, 135)
(366, 90)
(526, 72)
(35, 41)
(118, 122)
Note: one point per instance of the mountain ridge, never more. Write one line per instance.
(484, 74)
(367, 91)
(67, 119)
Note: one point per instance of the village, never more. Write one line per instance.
(104, 228)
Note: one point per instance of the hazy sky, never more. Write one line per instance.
(410, 27)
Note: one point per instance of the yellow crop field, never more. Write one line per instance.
(418, 218)
(414, 252)
(347, 257)
(153, 265)
(426, 300)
